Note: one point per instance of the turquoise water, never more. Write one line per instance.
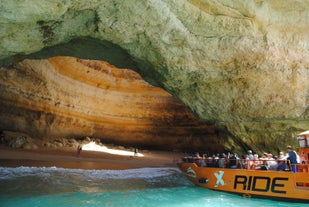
(34, 186)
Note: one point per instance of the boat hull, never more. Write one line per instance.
(251, 183)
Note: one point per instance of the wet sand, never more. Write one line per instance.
(68, 158)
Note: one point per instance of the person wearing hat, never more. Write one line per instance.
(292, 158)
(281, 162)
(271, 162)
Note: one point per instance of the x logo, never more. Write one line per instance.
(219, 178)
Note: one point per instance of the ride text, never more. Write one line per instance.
(260, 183)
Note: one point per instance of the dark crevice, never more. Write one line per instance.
(84, 48)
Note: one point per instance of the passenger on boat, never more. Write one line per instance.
(243, 162)
(263, 161)
(281, 162)
(264, 157)
(210, 161)
(271, 162)
(222, 160)
(292, 159)
(216, 160)
(197, 159)
(233, 161)
(250, 155)
(203, 160)
(255, 163)
(303, 159)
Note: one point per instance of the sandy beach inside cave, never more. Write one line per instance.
(68, 158)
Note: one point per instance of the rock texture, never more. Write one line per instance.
(74, 98)
(242, 65)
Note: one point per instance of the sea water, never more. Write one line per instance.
(51, 186)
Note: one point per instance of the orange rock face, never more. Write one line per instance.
(70, 97)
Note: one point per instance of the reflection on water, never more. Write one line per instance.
(139, 187)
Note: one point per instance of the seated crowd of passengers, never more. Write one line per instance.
(249, 161)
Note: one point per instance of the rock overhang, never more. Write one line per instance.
(242, 65)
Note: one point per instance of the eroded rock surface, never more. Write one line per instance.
(242, 65)
(71, 97)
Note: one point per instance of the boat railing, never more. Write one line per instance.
(280, 165)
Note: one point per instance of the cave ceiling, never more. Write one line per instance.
(239, 66)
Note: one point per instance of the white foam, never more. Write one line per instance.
(9, 173)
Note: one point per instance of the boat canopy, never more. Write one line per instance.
(304, 133)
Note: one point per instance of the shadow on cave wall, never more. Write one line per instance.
(85, 48)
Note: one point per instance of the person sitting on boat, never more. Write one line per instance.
(197, 159)
(264, 157)
(203, 160)
(255, 163)
(250, 155)
(292, 159)
(233, 161)
(216, 159)
(210, 161)
(243, 162)
(222, 159)
(303, 159)
(281, 162)
(271, 163)
(263, 161)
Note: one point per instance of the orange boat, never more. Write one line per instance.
(274, 184)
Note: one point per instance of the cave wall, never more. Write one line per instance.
(241, 65)
(73, 98)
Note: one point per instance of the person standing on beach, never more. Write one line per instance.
(79, 150)
(135, 152)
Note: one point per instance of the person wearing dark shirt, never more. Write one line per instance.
(233, 161)
(292, 158)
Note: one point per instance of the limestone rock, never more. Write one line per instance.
(18, 140)
(242, 65)
(72, 98)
